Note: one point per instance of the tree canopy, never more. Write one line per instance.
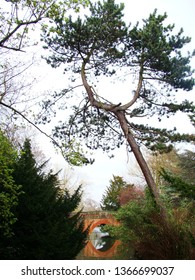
(101, 42)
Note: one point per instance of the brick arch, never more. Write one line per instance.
(93, 220)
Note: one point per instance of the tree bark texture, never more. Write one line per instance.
(140, 160)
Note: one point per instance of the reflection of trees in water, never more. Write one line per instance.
(108, 243)
(101, 240)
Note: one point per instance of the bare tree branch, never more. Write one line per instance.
(30, 122)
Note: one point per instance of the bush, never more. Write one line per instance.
(145, 235)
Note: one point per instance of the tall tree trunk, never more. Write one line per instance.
(141, 161)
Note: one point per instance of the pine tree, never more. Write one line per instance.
(46, 227)
(110, 200)
(100, 44)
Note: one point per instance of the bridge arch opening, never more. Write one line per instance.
(99, 223)
(100, 239)
(93, 220)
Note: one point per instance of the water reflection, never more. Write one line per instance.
(100, 246)
(101, 240)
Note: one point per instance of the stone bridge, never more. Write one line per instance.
(92, 220)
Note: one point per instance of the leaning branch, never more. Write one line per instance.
(30, 122)
(7, 37)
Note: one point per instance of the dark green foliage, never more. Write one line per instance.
(159, 57)
(177, 187)
(181, 186)
(9, 191)
(159, 53)
(145, 235)
(110, 200)
(46, 227)
(74, 41)
(192, 119)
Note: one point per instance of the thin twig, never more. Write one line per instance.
(30, 122)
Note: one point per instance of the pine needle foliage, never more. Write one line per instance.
(46, 227)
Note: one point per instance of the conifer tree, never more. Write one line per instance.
(46, 226)
(110, 200)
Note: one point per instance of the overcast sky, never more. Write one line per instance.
(98, 175)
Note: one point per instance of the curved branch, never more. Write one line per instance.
(92, 100)
(137, 93)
